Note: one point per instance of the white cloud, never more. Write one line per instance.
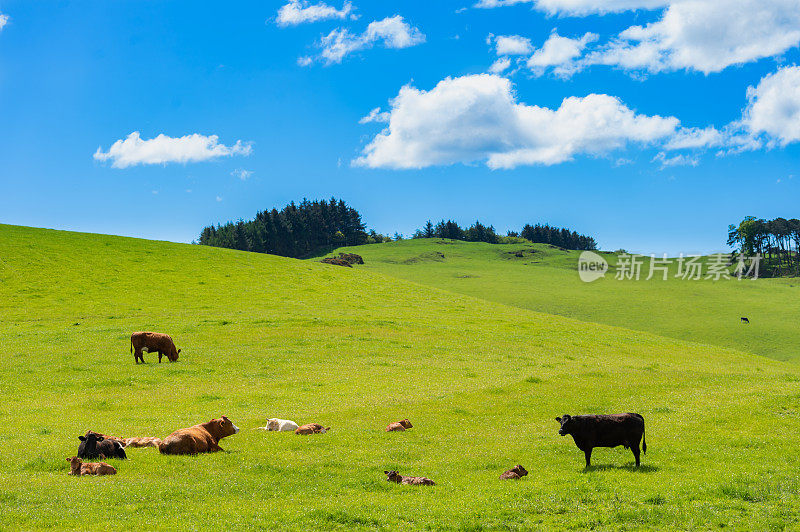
(512, 45)
(241, 173)
(219, 198)
(706, 36)
(500, 66)
(477, 118)
(771, 118)
(560, 52)
(163, 149)
(676, 160)
(300, 12)
(3, 21)
(578, 7)
(696, 138)
(392, 32)
(773, 107)
(375, 116)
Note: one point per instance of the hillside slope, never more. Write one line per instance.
(545, 279)
(264, 336)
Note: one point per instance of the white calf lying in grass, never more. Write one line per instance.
(280, 425)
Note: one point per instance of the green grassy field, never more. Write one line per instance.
(264, 336)
(546, 280)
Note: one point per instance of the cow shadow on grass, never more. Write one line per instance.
(643, 469)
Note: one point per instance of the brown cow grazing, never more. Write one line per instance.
(145, 441)
(152, 342)
(394, 476)
(78, 468)
(605, 431)
(515, 473)
(399, 426)
(311, 428)
(202, 438)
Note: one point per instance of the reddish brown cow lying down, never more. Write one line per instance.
(311, 428)
(202, 438)
(152, 342)
(399, 426)
(515, 473)
(394, 476)
(78, 467)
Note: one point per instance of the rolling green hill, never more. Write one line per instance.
(264, 336)
(545, 279)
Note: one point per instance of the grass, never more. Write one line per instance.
(264, 336)
(546, 279)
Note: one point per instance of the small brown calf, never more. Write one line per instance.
(399, 426)
(79, 468)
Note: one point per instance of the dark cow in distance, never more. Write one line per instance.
(152, 342)
(394, 476)
(744, 320)
(605, 431)
(94, 445)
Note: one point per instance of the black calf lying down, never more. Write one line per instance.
(394, 476)
(95, 445)
(605, 431)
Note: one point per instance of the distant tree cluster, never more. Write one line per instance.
(563, 238)
(296, 231)
(478, 232)
(777, 241)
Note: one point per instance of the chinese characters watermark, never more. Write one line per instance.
(634, 267)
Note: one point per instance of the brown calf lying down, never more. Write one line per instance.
(144, 441)
(394, 476)
(515, 473)
(311, 428)
(399, 426)
(202, 438)
(78, 467)
(152, 342)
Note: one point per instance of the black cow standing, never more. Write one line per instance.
(744, 320)
(605, 431)
(94, 445)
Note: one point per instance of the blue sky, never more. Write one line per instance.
(691, 128)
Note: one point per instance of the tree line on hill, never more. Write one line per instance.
(315, 227)
(538, 234)
(295, 231)
(777, 241)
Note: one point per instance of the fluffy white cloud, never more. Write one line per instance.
(163, 149)
(500, 66)
(392, 32)
(578, 7)
(512, 45)
(299, 12)
(773, 107)
(559, 52)
(477, 118)
(696, 138)
(375, 116)
(3, 21)
(706, 36)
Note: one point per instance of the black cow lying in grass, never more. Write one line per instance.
(94, 445)
(605, 431)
